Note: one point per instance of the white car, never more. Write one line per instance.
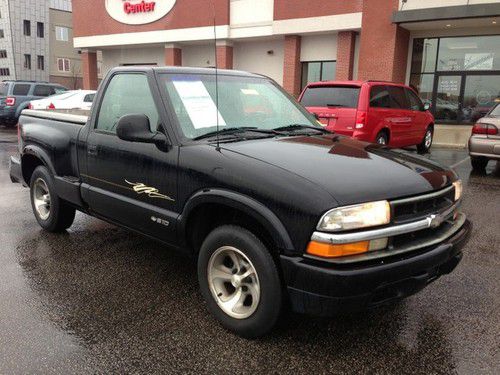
(75, 99)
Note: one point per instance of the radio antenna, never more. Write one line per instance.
(216, 77)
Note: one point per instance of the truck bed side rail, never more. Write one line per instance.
(72, 116)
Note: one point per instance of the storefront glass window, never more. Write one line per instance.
(482, 92)
(469, 53)
(459, 75)
(424, 55)
(318, 71)
(423, 85)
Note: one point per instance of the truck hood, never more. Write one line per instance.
(351, 171)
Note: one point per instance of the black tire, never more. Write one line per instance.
(425, 146)
(60, 215)
(382, 138)
(479, 163)
(268, 309)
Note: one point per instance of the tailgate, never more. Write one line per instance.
(340, 120)
(335, 105)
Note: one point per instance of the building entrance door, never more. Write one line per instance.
(448, 98)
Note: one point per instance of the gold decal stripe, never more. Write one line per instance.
(151, 192)
(138, 188)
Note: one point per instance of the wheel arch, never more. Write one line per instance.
(386, 130)
(31, 158)
(212, 207)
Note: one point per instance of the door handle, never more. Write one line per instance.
(92, 150)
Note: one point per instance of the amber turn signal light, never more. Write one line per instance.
(326, 250)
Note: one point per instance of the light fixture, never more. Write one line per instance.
(448, 25)
(494, 22)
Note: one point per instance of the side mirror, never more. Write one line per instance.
(427, 106)
(135, 128)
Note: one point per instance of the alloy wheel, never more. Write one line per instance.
(41, 199)
(233, 282)
(428, 139)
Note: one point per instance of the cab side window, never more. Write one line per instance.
(126, 94)
(379, 97)
(415, 102)
(43, 90)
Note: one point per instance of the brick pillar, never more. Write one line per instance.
(224, 55)
(384, 45)
(291, 66)
(173, 55)
(89, 70)
(346, 42)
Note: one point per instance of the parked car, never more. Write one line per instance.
(484, 143)
(273, 206)
(16, 95)
(74, 99)
(380, 112)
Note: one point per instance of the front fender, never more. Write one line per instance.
(241, 202)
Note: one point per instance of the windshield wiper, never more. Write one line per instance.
(335, 105)
(234, 131)
(293, 127)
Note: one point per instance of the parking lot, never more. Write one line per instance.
(101, 299)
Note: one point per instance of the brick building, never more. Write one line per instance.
(448, 49)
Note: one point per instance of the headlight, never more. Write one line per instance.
(458, 189)
(357, 216)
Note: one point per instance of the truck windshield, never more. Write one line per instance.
(242, 102)
(331, 96)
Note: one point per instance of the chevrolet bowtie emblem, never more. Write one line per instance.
(435, 220)
(151, 192)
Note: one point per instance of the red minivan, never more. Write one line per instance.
(373, 111)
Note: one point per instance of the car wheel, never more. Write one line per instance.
(479, 163)
(382, 138)
(426, 143)
(239, 281)
(52, 213)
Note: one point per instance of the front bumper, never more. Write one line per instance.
(324, 289)
(15, 170)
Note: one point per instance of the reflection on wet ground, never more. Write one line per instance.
(102, 299)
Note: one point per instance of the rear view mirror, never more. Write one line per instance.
(135, 128)
(427, 106)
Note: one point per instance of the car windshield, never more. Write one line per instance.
(331, 96)
(60, 89)
(244, 103)
(64, 96)
(495, 112)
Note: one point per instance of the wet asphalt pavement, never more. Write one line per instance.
(101, 299)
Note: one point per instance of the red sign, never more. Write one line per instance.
(142, 7)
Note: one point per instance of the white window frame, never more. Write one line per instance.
(62, 33)
(66, 63)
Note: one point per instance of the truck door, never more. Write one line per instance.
(133, 184)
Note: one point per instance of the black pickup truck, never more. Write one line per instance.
(230, 169)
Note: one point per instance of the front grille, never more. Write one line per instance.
(421, 236)
(419, 207)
